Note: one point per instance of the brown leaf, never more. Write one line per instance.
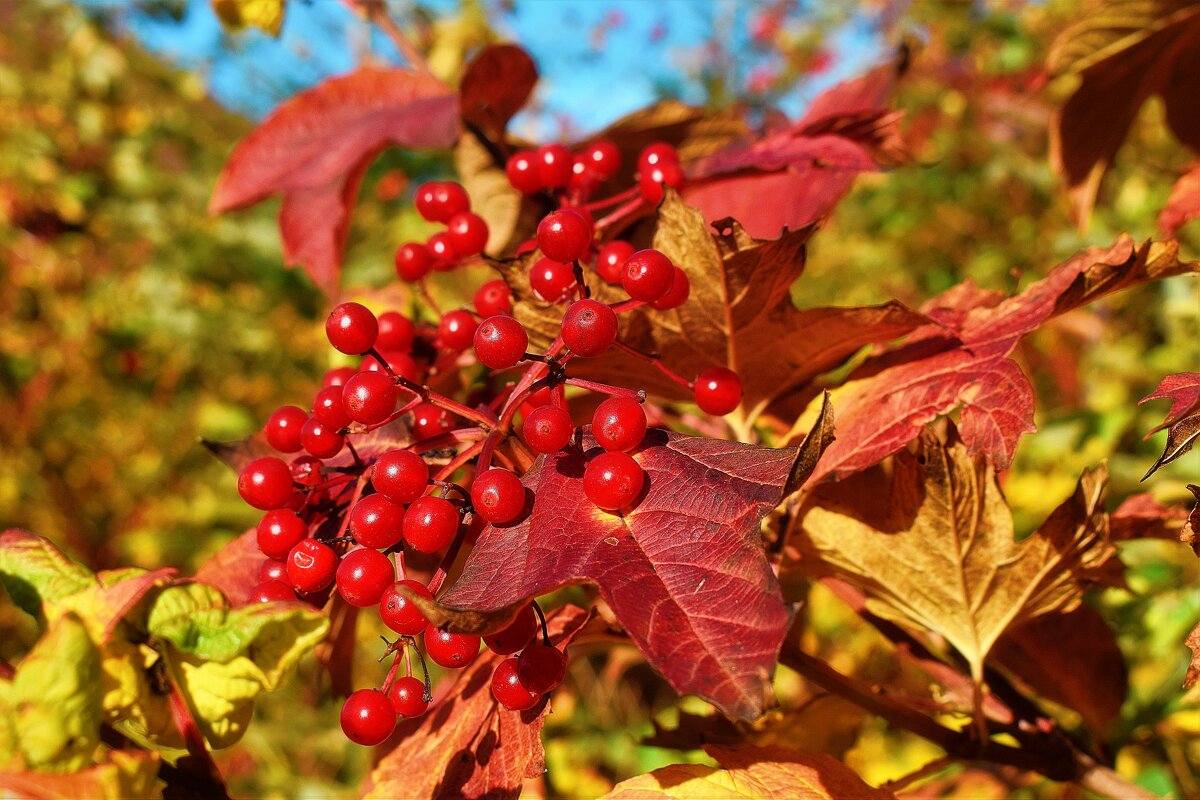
(812, 448)
(1143, 517)
(1183, 390)
(1190, 535)
(1193, 671)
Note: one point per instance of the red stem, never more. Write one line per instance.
(614, 199)
(657, 363)
(619, 213)
(604, 388)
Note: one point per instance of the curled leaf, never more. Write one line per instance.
(34, 571)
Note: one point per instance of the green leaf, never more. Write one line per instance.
(103, 605)
(34, 571)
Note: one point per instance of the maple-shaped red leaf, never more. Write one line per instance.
(315, 147)
(684, 571)
(468, 746)
(963, 361)
(1183, 205)
(1182, 421)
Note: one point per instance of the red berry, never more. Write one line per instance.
(320, 439)
(283, 429)
(613, 480)
(441, 251)
(401, 364)
(500, 342)
(369, 397)
(352, 329)
(541, 667)
(272, 592)
(398, 613)
(413, 262)
(337, 376)
(547, 429)
(554, 165)
(367, 717)
(430, 524)
(279, 531)
(498, 496)
(508, 689)
(523, 174)
(451, 650)
(395, 332)
(677, 295)
(564, 235)
(328, 409)
(612, 257)
(493, 298)
(603, 158)
(407, 697)
(363, 576)
(647, 275)
(266, 483)
(583, 177)
(430, 420)
(619, 424)
(468, 233)
(519, 633)
(552, 280)
(311, 566)
(273, 569)
(589, 328)
(657, 154)
(400, 475)
(376, 522)
(651, 181)
(438, 201)
(456, 330)
(306, 471)
(718, 391)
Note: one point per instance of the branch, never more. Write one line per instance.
(376, 12)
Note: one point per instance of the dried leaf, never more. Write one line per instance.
(1190, 534)
(1193, 671)
(1183, 420)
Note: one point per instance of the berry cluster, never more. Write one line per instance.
(340, 519)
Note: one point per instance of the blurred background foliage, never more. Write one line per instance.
(133, 324)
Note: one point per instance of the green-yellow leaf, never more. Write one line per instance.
(34, 571)
(122, 774)
(267, 15)
(103, 605)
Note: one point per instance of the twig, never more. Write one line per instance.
(376, 12)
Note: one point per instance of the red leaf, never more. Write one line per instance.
(1143, 517)
(684, 572)
(315, 147)
(495, 86)
(234, 568)
(1183, 205)
(1183, 390)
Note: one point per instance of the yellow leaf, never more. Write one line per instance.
(122, 774)
(102, 606)
(128, 696)
(34, 571)
(235, 15)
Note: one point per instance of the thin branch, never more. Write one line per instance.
(376, 12)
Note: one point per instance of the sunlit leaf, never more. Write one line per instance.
(34, 571)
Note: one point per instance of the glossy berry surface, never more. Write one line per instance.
(352, 329)
(367, 717)
(508, 689)
(564, 235)
(413, 262)
(311, 566)
(718, 391)
(589, 328)
(619, 423)
(657, 154)
(273, 569)
(500, 341)
(554, 163)
(272, 592)
(552, 280)
(541, 667)
(398, 613)
(647, 275)
(547, 429)
(652, 180)
(677, 295)
(442, 255)
(612, 258)
(279, 531)
(369, 397)
(321, 440)
(438, 201)
(430, 420)
(396, 332)
(603, 158)
(468, 234)
(399, 363)
(283, 429)
(493, 298)
(613, 480)
(363, 575)
(376, 522)
(266, 483)
(457, 330)
(451, 650)
(518, 634)
(328, 409)
(400, 475)
(522, 172)
(337, 376)
(430, 524)
(498, 496)
(407, 697)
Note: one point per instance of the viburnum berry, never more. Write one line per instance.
(272, 592)
(457, 329)
(328, 409)
(266, 483)
(407, 697)
(498, 496)
(279, 531)
(677, 295)
(400, 363)
(399, 613)
(352, 329)
(413, 262)
(553, 165)
(564, 235)
(619, 423)
(430, 420)
(547, 429)
(522, 172)
(320, 439)
(369, 397)
(603, 158)
(613, 480)
(451, 650)
(647, 275)
(508, 689)
(368, 717)
(400, 475)
(541, 667)
(311, 566)
(337, 376)
(283, 429)
(500, 341)
(583, 177)
(651, 181)
(493, 298)
(363, 576)
(438, 201)
(612, 258)
(396, 332)
(430, 524)
(655, 155)
(377, 522)
(468, 233)
(552, 280)
(442, 255)
(519, 633)
(306, 471)
(273, 569)
(589, 328)
(718, 391)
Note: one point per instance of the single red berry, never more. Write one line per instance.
(554, 165)
(564, 235)
(367, 717)
(376, 522)
(320, 439)
(441, 251)
(430, 524)
(328, 409)
(619, 424)
(657, 154)
(523, 174)
(369, 397)
(279, 531)
(273, 569)
(337, 376)
(306, 471)
(363, 576)
(647, 275)
(519, 633)
(399, 613)
(552, 280)
(352, 329)
(400, 475)
(413, 262)
(612, 258)
(500, 341)
(395, 332)
(493, 298)
(651, 181)
(451, 650)
(311, 566)
(583, 177)
(407, 697)
(603, 157)
(272, 592)
(589, 328)
(456, 330)
(438, 201)
(498, 496)
(468, 233)
(266, 483)
(430, 420)
(401, 364)
(508, 689)
(613, 480)
(718, 391)
(547, 429)
(677, 295)
(283, 429)
(541, 667)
